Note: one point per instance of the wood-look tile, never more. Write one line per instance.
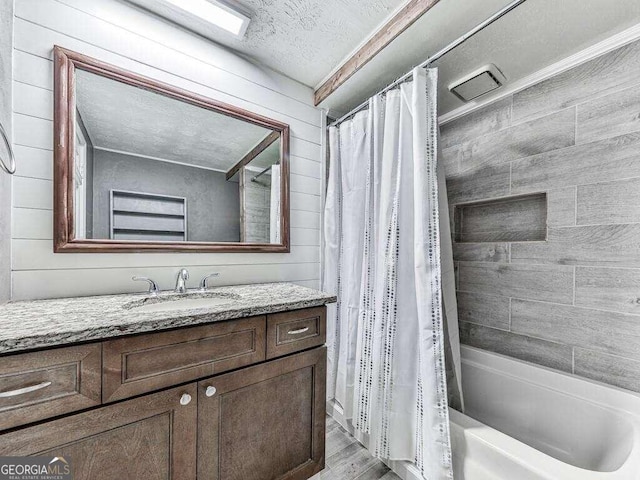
(613, 71)
(450, 158)
(452, 219)
(486, 182)
(351, 462)
(596, 245)
(610, 369)
(592, 178)
(536, 282)
(609, 202)
(511, 219)
(481, 252)
(561, 207)
(390, 476)
(541, 352)
(343, 456)
(616, 289)
(487, 310)
(376, 472)
(332, 425)
(325, 474)
(524, 140)
(337, 440)
(359, 465)
(491, 118)
(609, 332)
(612, 159)
(346, 458)
(609, 116)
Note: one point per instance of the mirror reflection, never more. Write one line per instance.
(148, 167)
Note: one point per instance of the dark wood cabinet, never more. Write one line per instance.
(151, 437)
(265, 422)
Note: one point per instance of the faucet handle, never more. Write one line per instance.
(153, 286)
(203, 282)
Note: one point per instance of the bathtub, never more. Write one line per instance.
(525, 422)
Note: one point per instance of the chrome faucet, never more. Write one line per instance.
(181, 281)
(205, 279)
(153, 286)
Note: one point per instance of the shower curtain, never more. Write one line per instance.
(386, 335)
(274, 206)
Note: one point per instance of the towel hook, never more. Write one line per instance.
(11, 169)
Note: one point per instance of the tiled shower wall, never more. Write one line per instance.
(571, 302)
(257, 208)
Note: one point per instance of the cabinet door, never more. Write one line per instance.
(151, 437)
(265, 422)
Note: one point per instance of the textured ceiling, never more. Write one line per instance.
(308, 39)
(304, 39)
(129, 119)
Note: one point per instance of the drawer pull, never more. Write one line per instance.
(210, 391)
(22, 391)
(296, 332)
(185, 399)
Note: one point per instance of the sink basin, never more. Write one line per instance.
(174, 302)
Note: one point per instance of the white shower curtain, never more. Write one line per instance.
(382, 258)
(274, 214)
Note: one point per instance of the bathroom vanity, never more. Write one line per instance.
(229, 385)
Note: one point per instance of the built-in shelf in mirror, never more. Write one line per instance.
(520, 218)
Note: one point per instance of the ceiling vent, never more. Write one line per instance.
(482, 81)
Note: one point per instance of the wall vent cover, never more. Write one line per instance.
(482, 81)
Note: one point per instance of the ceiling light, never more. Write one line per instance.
(216, 13)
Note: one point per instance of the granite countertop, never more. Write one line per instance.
(28, 325)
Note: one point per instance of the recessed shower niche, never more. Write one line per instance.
(519, 218)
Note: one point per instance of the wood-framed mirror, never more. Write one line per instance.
(140, 165)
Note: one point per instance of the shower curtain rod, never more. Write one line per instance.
(255, 178)
(459, 41)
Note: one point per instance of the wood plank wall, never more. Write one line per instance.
(127, 37)
(571, 302)
(6, 93)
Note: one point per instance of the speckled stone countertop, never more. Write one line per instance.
(29, 325)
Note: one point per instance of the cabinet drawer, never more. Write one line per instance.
(144, 363)
(290, 332)
(39, 385)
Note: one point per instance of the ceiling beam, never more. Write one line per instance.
(402, 20)
(254, 152)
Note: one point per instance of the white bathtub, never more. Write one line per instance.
(525, 422)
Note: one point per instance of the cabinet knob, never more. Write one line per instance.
(185, 399)
(210, 391)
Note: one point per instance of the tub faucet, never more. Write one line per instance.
(181, 281)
